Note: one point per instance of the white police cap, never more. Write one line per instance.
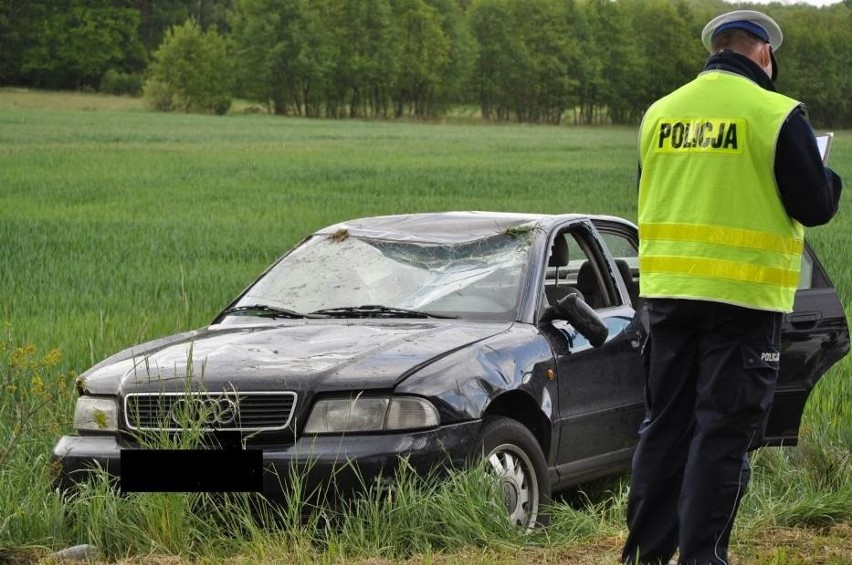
(753, 22)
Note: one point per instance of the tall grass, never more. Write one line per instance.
(120, 225)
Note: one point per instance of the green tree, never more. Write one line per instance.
(499, 57)
(313, 67)
(286, 57)
(158, 16)
(814, 61)
(526, 56)
(587, 28)
(670, 46)
(672, 50)
(456, 81)
(610, 65)
(191, 71)
(422, 53)
(74, 43)
(365, 67)
(18, 24)
(548, 84)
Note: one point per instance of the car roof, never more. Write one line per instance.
(449, 227)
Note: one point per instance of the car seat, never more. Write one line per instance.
(559, 252)
(587, 284)
(559, 260)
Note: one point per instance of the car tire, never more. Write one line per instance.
(513, 455)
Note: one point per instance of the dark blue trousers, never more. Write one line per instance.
(711, 371)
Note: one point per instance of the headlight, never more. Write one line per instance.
(96, 414)
(371, 414)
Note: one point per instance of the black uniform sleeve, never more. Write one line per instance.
(809, 190)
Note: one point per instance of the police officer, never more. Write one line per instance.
(729, 174)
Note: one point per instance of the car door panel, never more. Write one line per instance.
(815, 336)
(600, 399)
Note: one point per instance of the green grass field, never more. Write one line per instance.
(119, 224)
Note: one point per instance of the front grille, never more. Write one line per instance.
(206, 411)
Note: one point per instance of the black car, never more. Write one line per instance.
(438, 338)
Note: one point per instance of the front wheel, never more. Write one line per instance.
(514, 457)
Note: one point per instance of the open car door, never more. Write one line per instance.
(815, 337)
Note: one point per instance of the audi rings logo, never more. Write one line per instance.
(208, 411)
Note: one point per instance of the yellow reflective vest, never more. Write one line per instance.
(711, 222)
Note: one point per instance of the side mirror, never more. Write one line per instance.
(580, 315)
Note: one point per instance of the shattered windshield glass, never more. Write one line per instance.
(478, 279)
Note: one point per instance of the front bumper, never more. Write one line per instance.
(344, 463)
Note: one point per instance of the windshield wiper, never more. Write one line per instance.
(376, 311)
(264, 311)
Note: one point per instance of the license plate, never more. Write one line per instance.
(191, 470)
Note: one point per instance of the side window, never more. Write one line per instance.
(574, 265)
(813, 274)
(621, 247)
(623, 250)
(806, 275)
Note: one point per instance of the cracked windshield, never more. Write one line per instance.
(474, 279)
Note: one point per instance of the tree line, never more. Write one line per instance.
(549, 61)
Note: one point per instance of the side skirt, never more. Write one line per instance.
(576, 472)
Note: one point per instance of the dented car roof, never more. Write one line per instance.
(443, 227)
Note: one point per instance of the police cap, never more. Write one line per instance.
(756, 23)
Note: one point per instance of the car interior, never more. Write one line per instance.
(574, 266)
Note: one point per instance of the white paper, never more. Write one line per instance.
(824, 144)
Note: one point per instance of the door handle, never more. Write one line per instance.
(805, 320)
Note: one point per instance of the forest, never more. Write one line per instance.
(542, 61)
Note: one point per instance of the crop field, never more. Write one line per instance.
(118, 225)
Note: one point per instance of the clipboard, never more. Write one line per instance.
(824, 144)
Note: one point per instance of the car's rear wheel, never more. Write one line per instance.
(514, 456)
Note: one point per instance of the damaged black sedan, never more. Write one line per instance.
(439, 339)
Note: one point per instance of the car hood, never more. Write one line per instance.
(299, 355)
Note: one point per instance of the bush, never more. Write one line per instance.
(191, 72)
(159, 95)
(36, 402)
(29, 396)
(119, 83)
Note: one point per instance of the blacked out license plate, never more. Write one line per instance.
(191, 470)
